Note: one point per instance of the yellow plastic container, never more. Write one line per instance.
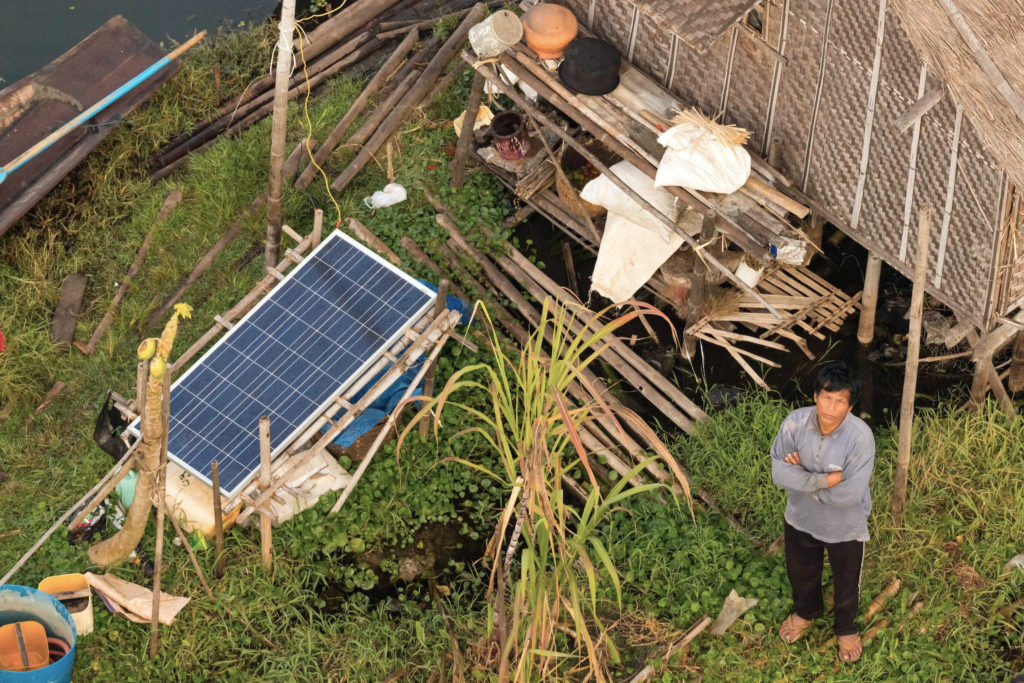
(72, 591)
(23, 646)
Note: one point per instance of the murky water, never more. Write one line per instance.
(34, 32)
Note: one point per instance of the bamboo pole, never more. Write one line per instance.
(109, 485)
(416, 93)
(383, 74)
(476, 92)
(172, 201)
(192, 556)
(266, 539)
(899, 494)
(122, 463)
(390, 423)
(695, 303)
(440, 304)
(278, 132)
(206, 262)
(218, 519)
(691, 633)
(161, 508)
(869, 299)
(373, 242)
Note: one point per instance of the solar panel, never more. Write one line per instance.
(288, 358)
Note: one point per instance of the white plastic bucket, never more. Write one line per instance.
(495, 34)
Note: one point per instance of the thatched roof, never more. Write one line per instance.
(974, 46)
(698, 22)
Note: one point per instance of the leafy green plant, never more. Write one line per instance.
(546, 616)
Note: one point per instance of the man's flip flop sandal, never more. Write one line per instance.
(790, 631)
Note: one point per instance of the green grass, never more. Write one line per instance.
(964, 480)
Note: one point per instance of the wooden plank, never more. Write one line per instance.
(69, 307)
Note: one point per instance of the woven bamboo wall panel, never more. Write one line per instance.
(699, 78)
(835, 157)
(613, 21)
(882, 206)
(580, 8)
(698, 22)
(750, 87)
(973, 227)
(653, 48)
(795, 102)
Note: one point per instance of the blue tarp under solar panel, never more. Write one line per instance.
(289, 357)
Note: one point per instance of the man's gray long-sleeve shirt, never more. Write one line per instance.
(832, 514)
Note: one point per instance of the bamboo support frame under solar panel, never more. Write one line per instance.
(438, 329)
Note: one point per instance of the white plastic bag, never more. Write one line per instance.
(392, 194)
(604, 192)
(697, 160)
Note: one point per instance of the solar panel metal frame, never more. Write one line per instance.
(133, 428)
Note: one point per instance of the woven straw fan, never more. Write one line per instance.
(733, 136)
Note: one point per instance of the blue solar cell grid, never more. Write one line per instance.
(288, 358)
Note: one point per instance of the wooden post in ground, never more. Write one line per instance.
(440, 303)
(318, 229)
(161, 508)
(697, 284)
(218, 519)
(869, 299)
(1015, 382)
(476, 92)
(899, 494)
(266, 541)
(279, 131)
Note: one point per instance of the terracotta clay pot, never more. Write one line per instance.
(548, 29)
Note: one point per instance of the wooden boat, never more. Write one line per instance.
(40, 104)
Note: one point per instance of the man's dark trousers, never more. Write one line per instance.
(805, 559)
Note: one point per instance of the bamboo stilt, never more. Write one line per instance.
(695, 303)
(899, 495)
(869, 299)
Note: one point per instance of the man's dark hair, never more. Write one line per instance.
(837, 376)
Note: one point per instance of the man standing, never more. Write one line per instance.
(823, 457)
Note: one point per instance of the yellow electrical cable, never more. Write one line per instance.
(305, 110)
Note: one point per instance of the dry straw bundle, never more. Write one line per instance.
(733, 136)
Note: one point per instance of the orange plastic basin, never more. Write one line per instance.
(23, 646)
